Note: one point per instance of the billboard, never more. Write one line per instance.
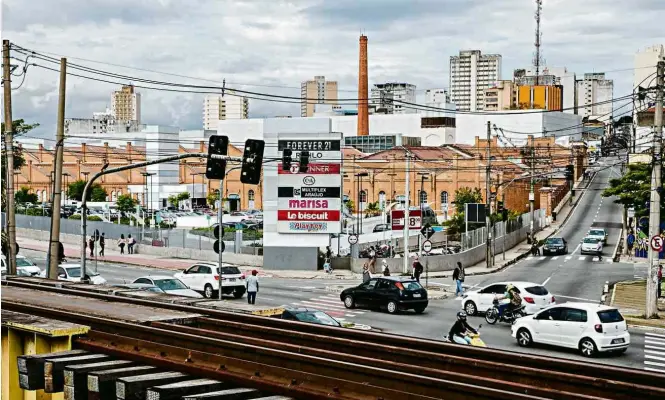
(397, 219)
(310, 202)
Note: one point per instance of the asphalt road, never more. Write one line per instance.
(570, 277)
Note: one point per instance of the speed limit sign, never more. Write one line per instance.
(657, 243)
(427, 246)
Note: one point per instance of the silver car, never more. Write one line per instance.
(598, 233)
(169, 285)
(591, 245)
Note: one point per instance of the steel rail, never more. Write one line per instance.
(600, 372)
(186, 353)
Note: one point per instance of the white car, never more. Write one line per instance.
(598, 233)
(25, 267)
(72, 273)
(168, 285)
(588, 327)
(535, 297)
(591, 245)
(237, 216)
(200, 277)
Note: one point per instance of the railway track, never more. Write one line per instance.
(310, 361)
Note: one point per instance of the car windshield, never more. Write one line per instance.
(597, 233)
(316, 317)
(537, 290)
(169, 284)
(610, 316)
(411, 285)
(230, 271)
(591, 240)
(74, 272)
(554, 241)
(23, 262)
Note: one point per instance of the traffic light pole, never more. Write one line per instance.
(220, 217)
(88, 186)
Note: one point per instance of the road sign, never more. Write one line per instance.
(427, 231)
(427, 246)
(217, 244)
(353, 239)
(397, 219)
(657, 243)
(96, 235)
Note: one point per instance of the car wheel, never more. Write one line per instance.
(207, 291)
(588, 347)
(349, 302)
(419, 310)
(391, 307)
(238, 293)
(524, 338)
(470, 308)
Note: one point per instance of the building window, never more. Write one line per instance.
(423, 197)
(444, 200)
(250, 195)
(363, 196)
(382, 200)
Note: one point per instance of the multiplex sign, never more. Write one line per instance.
(309, 202)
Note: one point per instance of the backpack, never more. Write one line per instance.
(516, 299)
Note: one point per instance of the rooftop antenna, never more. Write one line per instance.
(537, 58)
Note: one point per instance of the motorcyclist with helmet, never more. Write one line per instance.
(515, 300)
(458, 332)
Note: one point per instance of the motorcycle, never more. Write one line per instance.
(492, 315)
(476, 341)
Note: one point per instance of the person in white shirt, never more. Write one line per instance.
(252, 287)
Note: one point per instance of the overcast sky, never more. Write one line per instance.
(272, 45)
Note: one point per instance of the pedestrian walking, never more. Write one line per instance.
(252, 287)
(102, 243)
(458, 277)
(417, 269)
(91, 245)
(630, 242)
(386, 270)
(121, 243)
(326, 266)
(366, 275)
(130, 244)
(660, 281)
(328, 253)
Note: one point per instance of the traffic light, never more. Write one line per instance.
(570, 172)
(286, 159)
(304, 162)
(499, 207)
(252, 159)
(216, 168)
(218, 232)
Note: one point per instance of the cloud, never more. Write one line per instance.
(273, 45)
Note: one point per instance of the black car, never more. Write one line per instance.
(309, 315)
(555, 245)
(392, 293)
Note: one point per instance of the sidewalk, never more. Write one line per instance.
(629, 297)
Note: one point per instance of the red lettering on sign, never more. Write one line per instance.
(316, 169)
(308, 203)
(308, 215)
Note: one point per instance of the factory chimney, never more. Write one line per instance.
(363, 96)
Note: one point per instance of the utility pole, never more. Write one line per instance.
(654, 212)
(9, 147)
(220, 258)
(406, 215)
(532, 195)
(54, 241)
(488, 250)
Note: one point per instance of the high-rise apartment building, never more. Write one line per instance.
(436, 96)
(318, 91)
(644, 74)
(390, 98)
(218, 107)
(591, 91)
(501, 96)
(470, 74)
(126, 104)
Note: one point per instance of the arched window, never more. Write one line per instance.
(250, 195)
(444, 200)
(113, 196)
(423, 197)
(363, 196)
(382, 200)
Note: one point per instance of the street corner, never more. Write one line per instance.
(437, 293)
(649, 324)
(337, 288)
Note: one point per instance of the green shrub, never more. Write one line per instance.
(75, 216)
(94, 218)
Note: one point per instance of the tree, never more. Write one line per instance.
(19, 127)
(350, 205)
(24, 196)
(633, 189)
(372, 209)
(456, 223)
(75, 191)
(212, 198)
(183, 196)
(173, 200)
(125, 203)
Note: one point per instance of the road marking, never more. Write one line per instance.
(555, 258)
(582, 258)
(653, 357)
(596, 259)
(568, 257)
(656, 334)
(655, 340)
(576, 298)
(340, 307)
(656, 364)
(542, 258)
(530, 258)
(546, 280)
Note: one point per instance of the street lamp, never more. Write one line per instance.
(359, 223)
(145, 175)
(66, 175)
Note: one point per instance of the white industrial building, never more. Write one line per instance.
(218, 107)
(591, 91)
(517, 125)
(644, 75)
(470, 74)
(387, 98)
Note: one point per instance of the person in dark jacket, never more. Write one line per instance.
(417, 269)
(91, 245)
(366, 275)
(102, 243)
(458, 277)
(458, 332)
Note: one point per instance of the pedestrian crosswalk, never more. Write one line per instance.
(654, 352)
(330, 304)
(607, 260)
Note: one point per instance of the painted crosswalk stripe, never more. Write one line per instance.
(569, 257)
(555, 258)
(656, 335)
(530, 258)
(582, 258)
(655, 364)
(596, 259)
(653, 339)
(323, 305)
(542, 258)
(654, 357)
(654, 350)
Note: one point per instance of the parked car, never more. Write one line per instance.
(588, 327)
(309, 315)
(168, 285)
(26, 267)
(598, 233)
(237, 216)
(200, 277)
(381, 228)
(591, 245)
(555, 245)
(72, 273)
(139, 286)
(534, 296)
(390, 293)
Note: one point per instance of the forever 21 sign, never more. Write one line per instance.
(309, 145)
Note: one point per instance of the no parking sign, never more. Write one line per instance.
(657, 243)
